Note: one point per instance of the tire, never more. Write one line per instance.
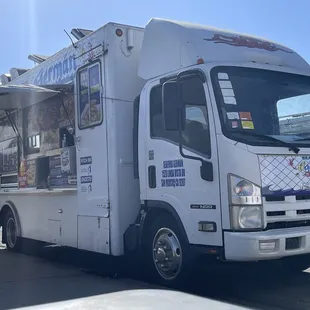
(10, 232)
(166, 253)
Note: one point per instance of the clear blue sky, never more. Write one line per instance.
(36, 26)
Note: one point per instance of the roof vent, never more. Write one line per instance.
(79, 33)
(16, 72)
(5, 79)
(37, 58)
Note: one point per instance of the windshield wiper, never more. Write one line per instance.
(290, 146)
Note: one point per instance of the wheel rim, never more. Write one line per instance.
(11, 234)
(167, 253)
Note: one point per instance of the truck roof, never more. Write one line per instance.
(171, 45)
(60, 68)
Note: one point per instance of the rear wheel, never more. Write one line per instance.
(167, 252)
(10, 230)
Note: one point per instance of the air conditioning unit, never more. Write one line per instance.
(5, 78)
(37, 58)
(16, 72)
(79, 33)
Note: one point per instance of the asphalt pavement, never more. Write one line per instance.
(45, 281)
(32, 282)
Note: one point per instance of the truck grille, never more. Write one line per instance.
(282, 198)
(285, 175)
(283, 213)
(291, 224)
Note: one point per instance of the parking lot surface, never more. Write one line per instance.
(28, 282)
(44, 283)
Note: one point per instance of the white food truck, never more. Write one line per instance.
(164, 142)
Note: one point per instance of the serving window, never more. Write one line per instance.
(37, 138)
(46, 125)
(9, 150)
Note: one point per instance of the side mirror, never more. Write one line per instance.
(173, 109)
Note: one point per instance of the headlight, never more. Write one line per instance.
(244, 188)
(246, 217)
(244, 192)
(246, 208)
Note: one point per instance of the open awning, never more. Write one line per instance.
(21, 96)
(63, 88)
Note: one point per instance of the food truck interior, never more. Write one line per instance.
(37, 141)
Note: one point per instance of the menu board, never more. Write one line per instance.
(57, 178)
(27, 173)
(95, 102)
(9, 155)
(90, 107)
(84, 99)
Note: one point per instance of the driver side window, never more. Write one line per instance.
(196, 135)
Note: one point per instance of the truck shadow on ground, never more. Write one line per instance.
(35, 283)
(260, 286)
(32, 281)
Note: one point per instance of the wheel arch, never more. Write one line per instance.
(134, 235)
(10, 206)
(155, 207)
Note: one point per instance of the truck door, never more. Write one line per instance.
(92, 169)
(177, 180)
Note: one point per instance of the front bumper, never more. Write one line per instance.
(264, 245)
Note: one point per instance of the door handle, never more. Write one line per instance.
(152, 176)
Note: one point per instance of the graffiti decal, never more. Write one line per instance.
(242, 41)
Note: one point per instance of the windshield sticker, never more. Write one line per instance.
(228, 92)
(234, 124)
(230, 100)
(232, 115)
(222, 76)
(247, 124)
(245, 116)
(225, 84)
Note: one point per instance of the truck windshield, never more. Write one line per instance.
(256, 104)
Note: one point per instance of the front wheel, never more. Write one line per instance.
(10, 231)
(167, 252)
